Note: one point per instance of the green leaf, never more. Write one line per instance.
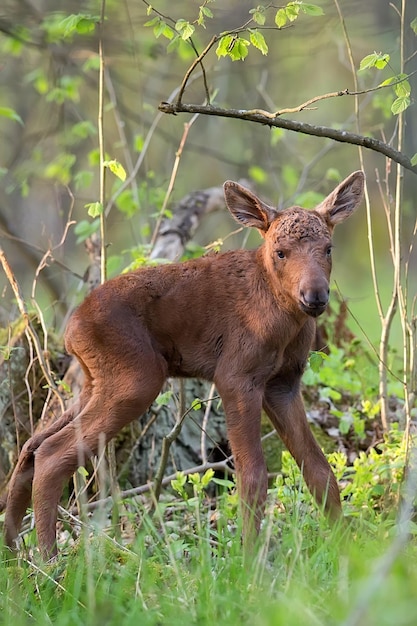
(116, 168)
(164, 398)
(138, 142)
(224, 482)
(60, 168)
(83, 179)
(92, 63)
(239, 50)
(207, 12)
(223, 46)
(280, 18)
(258, 40)
(79, 23)
(85, 25)
(126, 203)
(368, 61)
(311, 9)
(257, 174)
(203, 13)
(345, 423)
(276, 135)
(114, 264)
(333, 174)
(207, 477)
(413, 25)
(400, 104)
(83, 129)
(388, 81)
(309, 199)
(196, 404)
(153, 22)
(194, 479)
(185, 29)
(316, 360)
(402, 89)
(413, 159)
(234, 47)
(82, 472)
(174, 44)
(84, 229)
(160, 28)
(258, 15)
(374, 60)
(94, 209)
(187, 32)
(11, 114)
(381, 62)
(292, 11)
(178, 485)
(39, 80)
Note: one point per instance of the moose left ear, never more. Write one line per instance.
(344, 200)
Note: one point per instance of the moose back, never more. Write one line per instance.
(244, 319)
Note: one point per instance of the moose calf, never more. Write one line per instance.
(244, 319)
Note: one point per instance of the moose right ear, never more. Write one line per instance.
(248, 209)
(344, 200)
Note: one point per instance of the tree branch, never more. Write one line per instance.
(299, 127)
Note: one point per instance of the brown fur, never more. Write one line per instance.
(243, 319)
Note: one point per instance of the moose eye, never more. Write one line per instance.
(280, 254)
(329, 252)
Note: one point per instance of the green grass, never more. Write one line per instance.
(312, 577)
(186, 565)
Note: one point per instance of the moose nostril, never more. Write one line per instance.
(313, 297)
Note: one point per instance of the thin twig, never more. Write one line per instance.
(203, 443)
(6, 235)
(197, 61)
(166, 446)
(174, 172)
(100, 127)
(111, 450)
(121, 130)
(325, 96)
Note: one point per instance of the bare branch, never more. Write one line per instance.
(343, 136)
(219, 466)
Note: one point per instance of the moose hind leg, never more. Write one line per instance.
(116, 401)
(20, 485)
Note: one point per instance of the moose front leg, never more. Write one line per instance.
(284, 406)
(243, 419)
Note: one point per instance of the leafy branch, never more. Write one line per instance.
(231, 43)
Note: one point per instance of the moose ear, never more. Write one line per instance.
(248, 209)
(344, 200)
